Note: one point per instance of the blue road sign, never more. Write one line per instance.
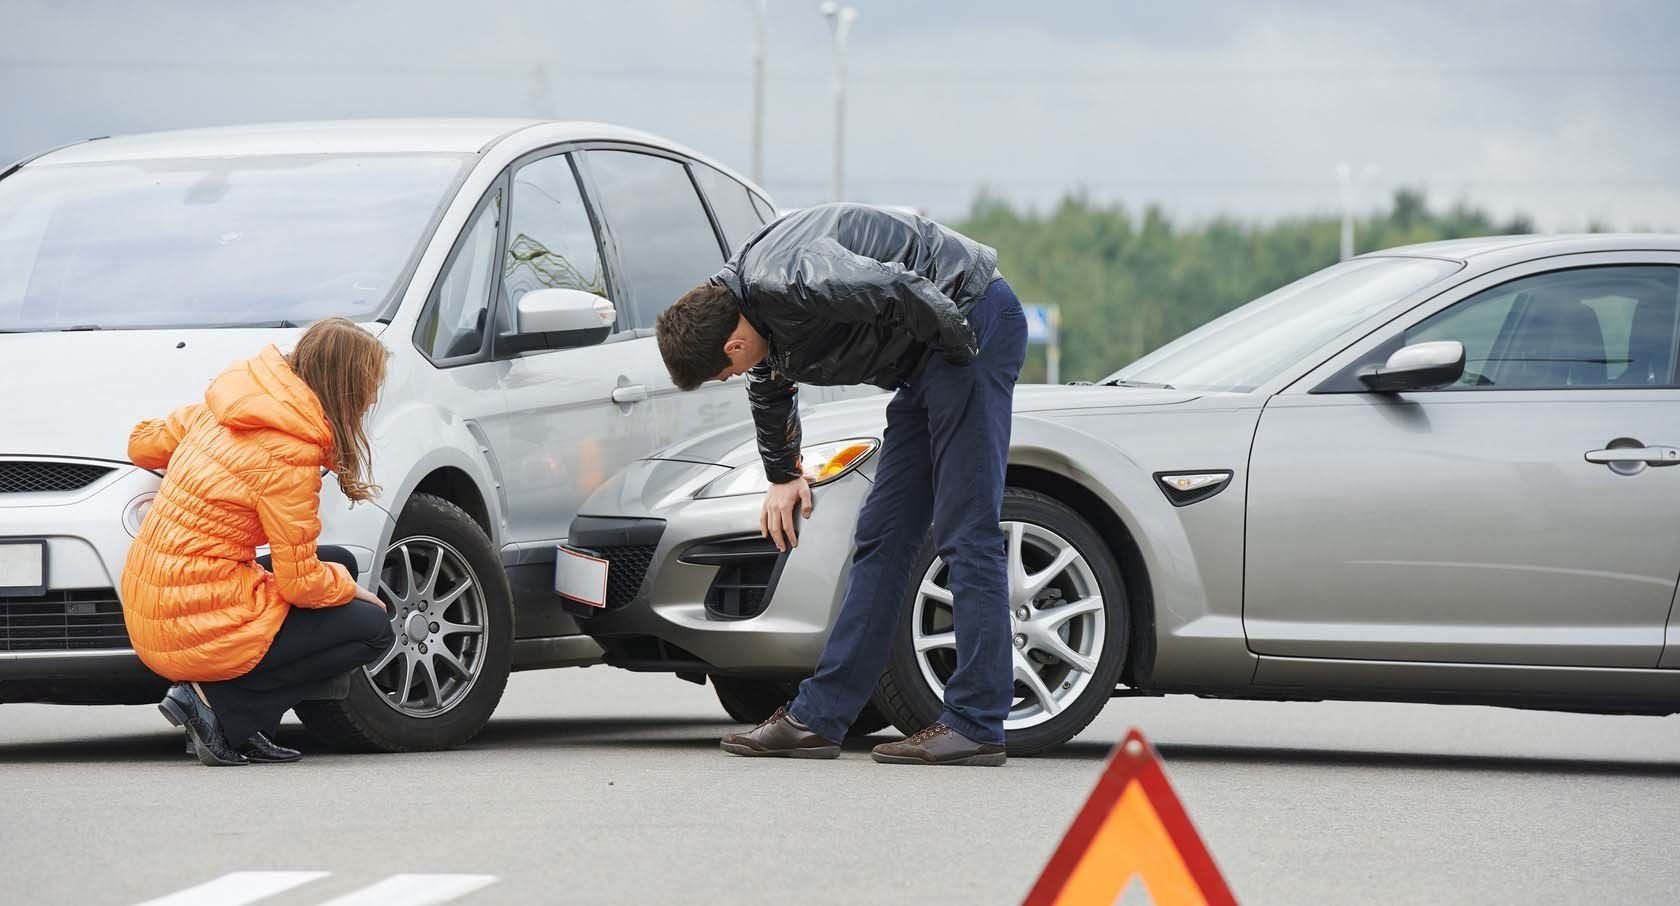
(1039, 325)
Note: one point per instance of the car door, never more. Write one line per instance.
(567, 424)
(665, 243)
(1479, 523)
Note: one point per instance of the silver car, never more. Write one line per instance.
(1436, 473)
(512, 268)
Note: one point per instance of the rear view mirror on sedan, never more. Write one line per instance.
(1420, 366)
(561, 319)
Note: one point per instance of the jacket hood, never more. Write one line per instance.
(264, 392)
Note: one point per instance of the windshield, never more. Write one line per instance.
(212, 242)
(1255, 343)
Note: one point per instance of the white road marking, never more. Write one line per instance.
(238, 888)
(414, 890)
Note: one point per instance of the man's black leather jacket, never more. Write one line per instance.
(850, 294)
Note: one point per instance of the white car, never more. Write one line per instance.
(513, 270)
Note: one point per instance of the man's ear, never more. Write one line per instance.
(734, 345)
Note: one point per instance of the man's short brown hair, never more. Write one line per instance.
(692, 332)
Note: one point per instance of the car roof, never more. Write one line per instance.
(443, 136)
(414, 136)
(411, 136)
(1529, 246)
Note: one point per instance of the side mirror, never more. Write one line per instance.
(1420, 366)
(560, 319)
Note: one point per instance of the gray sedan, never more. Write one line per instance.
(1436, 473)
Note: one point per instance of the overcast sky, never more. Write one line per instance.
(1565, 109)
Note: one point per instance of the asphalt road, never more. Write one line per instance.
(595, 786)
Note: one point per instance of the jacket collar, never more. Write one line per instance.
(730, 278)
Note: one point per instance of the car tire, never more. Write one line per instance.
(367, 720)
(905, 694)
(750, 701)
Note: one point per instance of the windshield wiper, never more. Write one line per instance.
(1151, 385)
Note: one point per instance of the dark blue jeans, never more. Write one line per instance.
(942, 462)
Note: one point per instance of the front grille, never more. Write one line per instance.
(62, 621)
(630, 564)
(35, 477)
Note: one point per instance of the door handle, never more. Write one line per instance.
(630, 393)
(1631, 456)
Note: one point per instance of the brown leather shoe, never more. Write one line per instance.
(939, 744)
(780, 736)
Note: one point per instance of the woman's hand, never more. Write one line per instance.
(363, 594)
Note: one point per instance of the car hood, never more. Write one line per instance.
(79, 393)
(733, 445)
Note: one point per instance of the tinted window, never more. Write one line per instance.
(214, 241)
(665, 241)
(1592, 327)
(732, 204)
(550, 241)
(454, 321)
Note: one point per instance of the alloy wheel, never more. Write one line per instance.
(439, 617)
(1057, 624)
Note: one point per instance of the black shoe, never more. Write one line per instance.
(259, 749)
(780, 736)
(182, 707)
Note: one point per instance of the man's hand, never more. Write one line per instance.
(363, 594)
(776, 520)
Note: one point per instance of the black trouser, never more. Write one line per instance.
(312, 645)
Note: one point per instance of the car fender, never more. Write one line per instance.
(1191, 555)
(409, 442)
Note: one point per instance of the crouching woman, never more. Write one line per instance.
(244, 468)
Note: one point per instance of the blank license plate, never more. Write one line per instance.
(23, 567)
(580, 576)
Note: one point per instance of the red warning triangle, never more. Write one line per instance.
(1132, 828)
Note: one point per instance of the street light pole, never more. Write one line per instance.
(759, 8)
(1344, 176)
(840, 19)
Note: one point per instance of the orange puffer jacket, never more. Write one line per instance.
(244, 469)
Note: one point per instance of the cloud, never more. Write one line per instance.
(1568, 110)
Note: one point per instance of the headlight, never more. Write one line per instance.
(823, 463)
(135, 513)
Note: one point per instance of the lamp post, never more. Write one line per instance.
(759, 9)
(840, 19)
(1344, 176)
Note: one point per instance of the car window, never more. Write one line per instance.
(665, 241)
(766, 210)
(453, 324)
(732, 204)
(1588, 327)
(1255, 343)
(550, 241)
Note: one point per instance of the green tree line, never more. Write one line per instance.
(1127, 283)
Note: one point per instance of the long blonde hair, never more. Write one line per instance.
(345, 366)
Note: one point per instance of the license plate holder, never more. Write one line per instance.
(23, 567)
(581, 576)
